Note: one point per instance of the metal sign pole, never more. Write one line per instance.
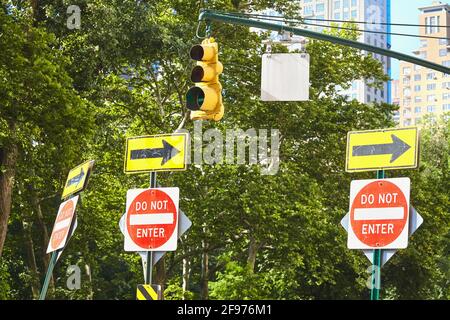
(376, 263)
(48, 275)
(148, 274)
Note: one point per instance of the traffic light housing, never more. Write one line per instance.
(205, 98)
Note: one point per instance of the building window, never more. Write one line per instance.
(417, 88)
(418, 99)
(406, 92)
(346, 4)
(345, 16)
(418, 120)
(431, 86)
(445, 85)
(406, 70)
(445, 96)
(337, 16)
(382, 93)
(446, 63)
(368, 98)
(320, 7)
(337, 5)
(423, 54)
(442, 52)
(406, 122)
(417, 68)
(443, 41)
(406, 102)
(354, 3)
(431, 108)
(446, 107)
(417, 77)
(431, 76)
(432, 24)
(354, 85)
(354, 14)
(423, 43)
(417, 110)
(431, 97)
(307, 10)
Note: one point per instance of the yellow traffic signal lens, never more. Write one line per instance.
(197, 74)
(206, 72)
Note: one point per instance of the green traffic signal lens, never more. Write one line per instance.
(195, 98)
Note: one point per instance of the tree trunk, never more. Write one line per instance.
(205, 273)
(186, 275)
(31, 259)
(253, 248)
(45, 237)
(8, 159)
(160, 276)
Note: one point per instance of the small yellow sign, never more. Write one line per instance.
(77, 178)
(165, 152)
(382, 149)
(148, 292)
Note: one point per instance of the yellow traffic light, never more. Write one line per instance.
(205, 98)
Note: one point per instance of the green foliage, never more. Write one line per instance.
(74, 95)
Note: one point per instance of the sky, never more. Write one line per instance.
(405, 11)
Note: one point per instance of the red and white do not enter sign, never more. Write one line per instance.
(379, 214)
(62, 224)
(152, 219)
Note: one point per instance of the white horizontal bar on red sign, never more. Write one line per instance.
(394, 213)
(152, 218)
(62, 224)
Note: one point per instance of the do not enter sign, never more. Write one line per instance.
(152, 219)
(62, 225)
(379, 213)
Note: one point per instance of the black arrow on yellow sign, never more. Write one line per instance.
(167, 152)
(396, 148)
(76, 180)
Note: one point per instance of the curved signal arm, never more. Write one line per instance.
(209, 15)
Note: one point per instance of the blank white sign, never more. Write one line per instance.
(285, 77)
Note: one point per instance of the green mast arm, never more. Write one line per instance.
(209, 15)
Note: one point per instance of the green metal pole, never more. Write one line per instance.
(376, 263)
(48, 275)
(148, 273)
(209, 15)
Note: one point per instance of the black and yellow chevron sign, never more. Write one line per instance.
(148, 292)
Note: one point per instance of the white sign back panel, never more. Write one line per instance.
(285, 77)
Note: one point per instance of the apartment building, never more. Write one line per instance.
(423, 91)
(372, 11)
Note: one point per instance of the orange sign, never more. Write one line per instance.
(62, 225)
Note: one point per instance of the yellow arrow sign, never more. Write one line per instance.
(77, 178)
(382, 149)
(165, 152)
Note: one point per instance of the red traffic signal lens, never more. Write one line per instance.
(197, 52)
